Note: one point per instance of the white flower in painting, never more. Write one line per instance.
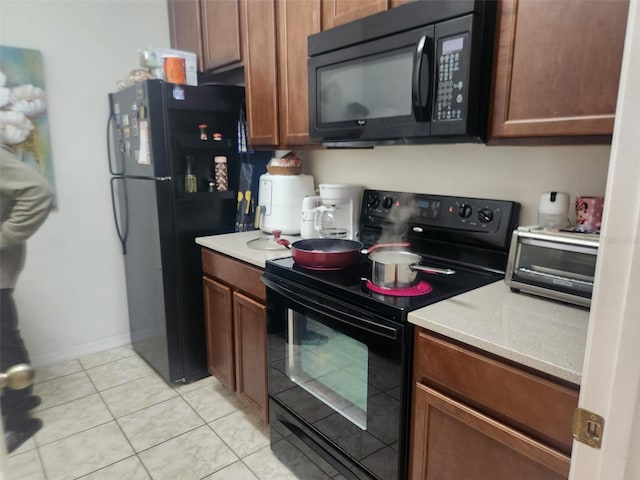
(4, 96)
(29, 100)
(3, 79)
(15, 127)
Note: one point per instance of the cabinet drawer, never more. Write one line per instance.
(532, 404)
(235, 273)
(451, 437)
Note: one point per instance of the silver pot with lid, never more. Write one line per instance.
(394, 268)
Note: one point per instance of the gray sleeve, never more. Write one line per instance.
(26, 198)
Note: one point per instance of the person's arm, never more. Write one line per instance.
(30, 195)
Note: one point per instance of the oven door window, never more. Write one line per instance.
(330, 365)
(341, 377)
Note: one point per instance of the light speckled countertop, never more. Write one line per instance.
(545, 335)
(235, 245)
(542, 334)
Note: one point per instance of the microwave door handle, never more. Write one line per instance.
(421, 73)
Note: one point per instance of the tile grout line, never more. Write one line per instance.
(113, 418)
(36, 443)
(135, 453)
(178, 394)
(212, 430)
(44, 471)
(240, 459)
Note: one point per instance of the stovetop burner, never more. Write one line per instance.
(421, 288)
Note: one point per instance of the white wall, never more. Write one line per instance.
(71, 297)
(509, 173)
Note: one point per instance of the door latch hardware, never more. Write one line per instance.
(588, 427)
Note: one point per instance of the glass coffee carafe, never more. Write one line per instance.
(332, 221)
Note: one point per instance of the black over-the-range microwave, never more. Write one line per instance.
(417, 73)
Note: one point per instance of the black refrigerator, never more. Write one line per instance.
(158, 134)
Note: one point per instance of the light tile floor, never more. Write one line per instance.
(110, 416)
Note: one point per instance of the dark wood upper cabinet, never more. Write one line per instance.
(221, 41)
(296, 20)
(211, 29)
(275, 33)
(260, 72)
(337, 12)
(185, 27)
(557, 67)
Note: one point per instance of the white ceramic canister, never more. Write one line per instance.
(553, 210)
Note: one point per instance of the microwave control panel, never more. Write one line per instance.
(452, 69)
(458, 86)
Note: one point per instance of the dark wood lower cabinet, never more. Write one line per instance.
(236, 328)
(478, 417)
(219, 330)
(454, 442)
(251, 351)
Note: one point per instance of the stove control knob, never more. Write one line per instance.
(374, 202)
(485, 215)
(464, 210)
(387, 202)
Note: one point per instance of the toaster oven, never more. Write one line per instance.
(553, 263)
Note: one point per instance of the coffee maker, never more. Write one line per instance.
(339, 214)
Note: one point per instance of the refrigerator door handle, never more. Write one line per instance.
(123, 232)
(109, 138)
(143, 177)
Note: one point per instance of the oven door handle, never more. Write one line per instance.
(337, 315)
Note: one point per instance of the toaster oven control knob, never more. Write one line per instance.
(485, 215)
(464, 210)
(387, 202)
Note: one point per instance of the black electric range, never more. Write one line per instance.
(339, 354)
(469, 235)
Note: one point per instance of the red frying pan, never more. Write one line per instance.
(328, 253)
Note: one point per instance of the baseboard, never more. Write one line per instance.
(51, 358)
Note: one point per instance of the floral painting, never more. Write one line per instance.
(24, 125)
